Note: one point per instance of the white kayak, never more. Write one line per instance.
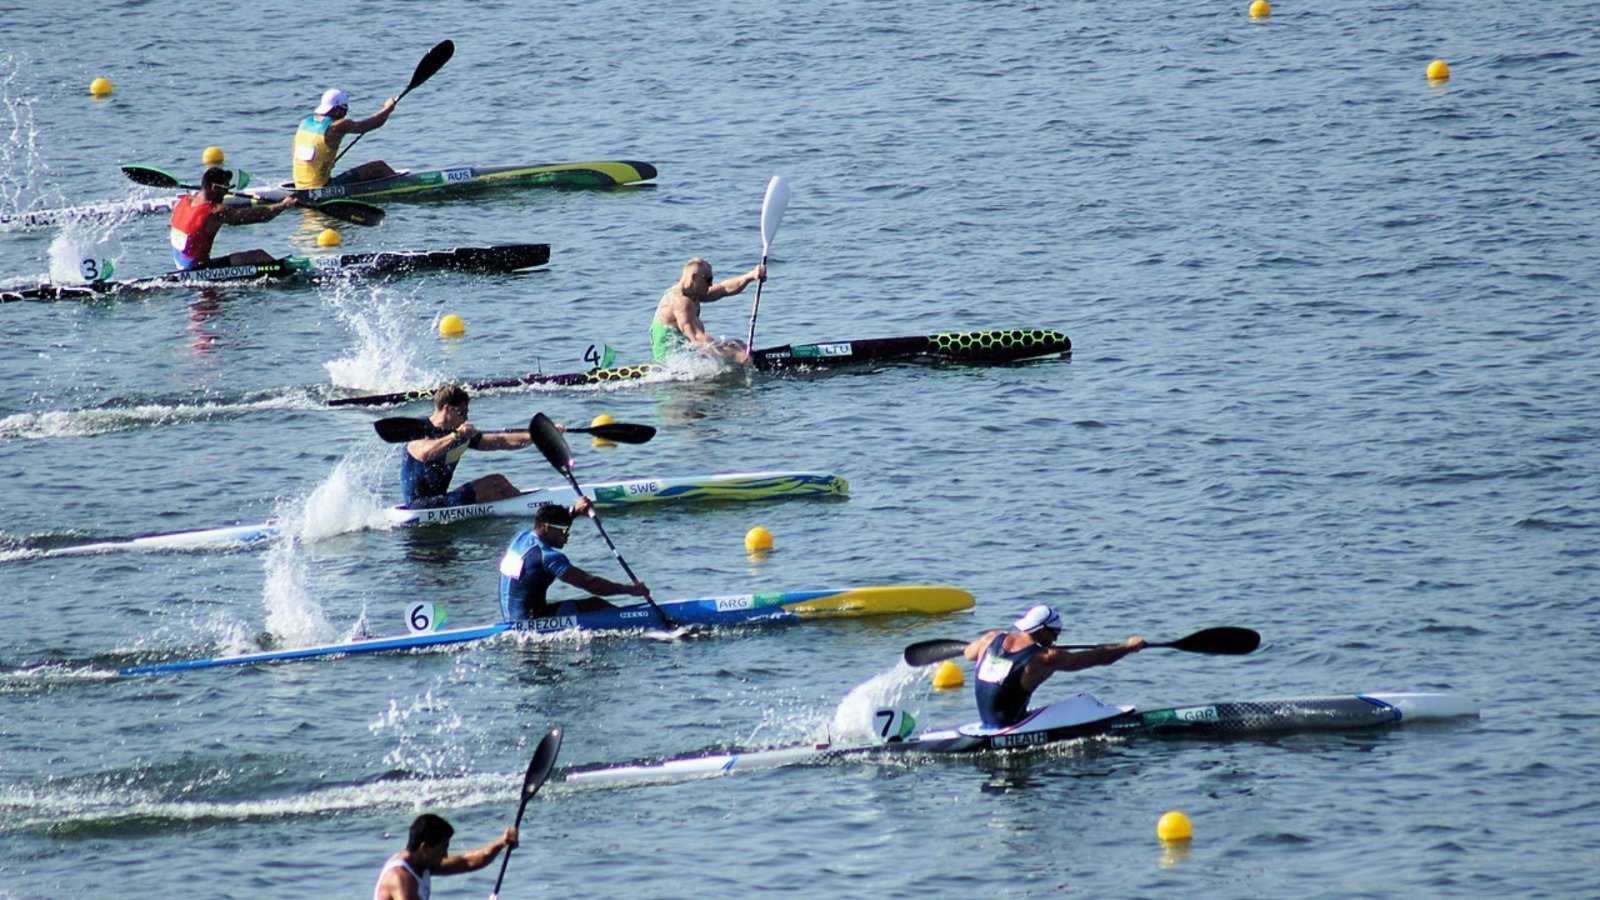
(1073, 719)
(726, 487)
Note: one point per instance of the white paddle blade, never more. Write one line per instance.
(772, 208)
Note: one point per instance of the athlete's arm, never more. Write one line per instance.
(430, 449)
(735, 285)
(252, 215)
(503, 440)
(473, 860)
(975, 649)
(693, 328)
(362, 126)
(603, 587)
(1055, 660)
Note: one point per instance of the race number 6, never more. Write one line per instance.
(423, 617)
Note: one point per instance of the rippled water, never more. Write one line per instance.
(1335, 354)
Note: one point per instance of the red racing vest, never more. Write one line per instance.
(191, 240)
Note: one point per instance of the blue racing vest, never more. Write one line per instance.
(1002, 700)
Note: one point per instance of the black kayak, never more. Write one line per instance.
(502, 258)
(1010, 345)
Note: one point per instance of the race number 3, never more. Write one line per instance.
(95, 269)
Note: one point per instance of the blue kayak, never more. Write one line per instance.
(763, 608)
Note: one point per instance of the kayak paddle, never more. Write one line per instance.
(427, 68)
(402, 429)
(1224, 641)
(554, 447)
(352, 211)
(772, 207)
(544, 759)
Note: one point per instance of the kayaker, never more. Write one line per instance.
(677, 328)
(197, 217)
(427, 464)
(1012, 665)
(316, 144)
(534, 561)
(408, 875)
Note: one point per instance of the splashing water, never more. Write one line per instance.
(428, 736)
(348, 500)
(21, 170)
(853, 719)
(384, 357)
(86, 250)
(293, 616)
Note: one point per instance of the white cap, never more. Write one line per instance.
(1041, 616)
(332, 99)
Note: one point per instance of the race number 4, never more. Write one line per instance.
(422, 617)
(599, 356)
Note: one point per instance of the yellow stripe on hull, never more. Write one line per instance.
(883, 601)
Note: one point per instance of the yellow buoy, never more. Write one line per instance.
(213, 156)
(758, 540)
(99, 87)
(1260, 9)
(1174, 826)
(1438, 70)
(948, 676)
(329, 238)
(452, 326)
(597, 440)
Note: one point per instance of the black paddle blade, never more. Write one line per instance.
(544, 759)
(550, 442)
(431, 64)
(353, 211)
(151, 177)
(539, 768)
(401, 429)
(1224, 641)
(621, 432)
(924, 653)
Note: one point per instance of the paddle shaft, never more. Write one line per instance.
(554, 447)
(1222, 641)
(614, 551)
(353, 211)
(750, 338)
(403, 429)
(431, 63)
(544, 759)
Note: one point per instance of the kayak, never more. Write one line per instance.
(45, 218)
(743, 609)
(734, 486)
(501, 258)
(404, 185)
(408, 185)
(1075, 719)
(731, 487)
(1011, 345)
